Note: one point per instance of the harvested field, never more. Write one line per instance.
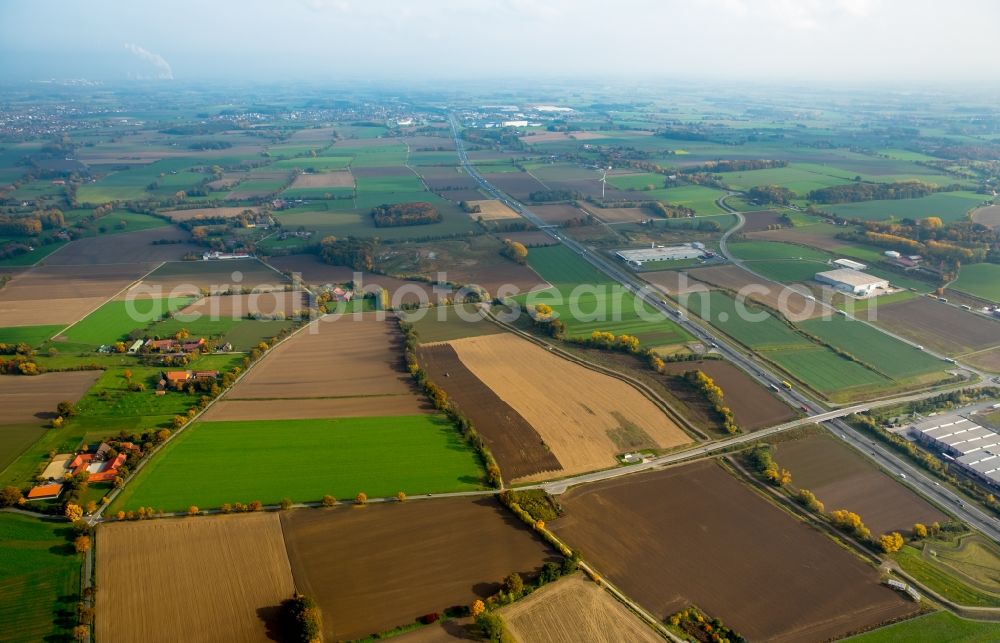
(530, 238)
(573, 610)
(516, 445)
(558, 214)
(491, 210)
(842, 479)
(332, 361)
(192, 579)
(517, 184)
(126, 248)
(761, 220)
(938, 326)
(986, 360)
(752, 405)
(50, 295)
(308, 409)
(674, 282)
(339, 179)
(549, 137)
(208, 213)
(801, 236)
(618, 215)
(465, 547)
(585, 418)
(737, 550)
(190, 277)
(27, 400)
(239, 306)
(792, 304)
(988, 216)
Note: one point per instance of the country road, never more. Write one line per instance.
(762, 373)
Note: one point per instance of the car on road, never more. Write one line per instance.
(902, 475)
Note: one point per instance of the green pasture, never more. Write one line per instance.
(114, 320)
(212, 463)
(939, 627)
(30, 335)
(39, 579)
(949, 206)
(980, 280)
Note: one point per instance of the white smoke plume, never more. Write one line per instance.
(163, 70)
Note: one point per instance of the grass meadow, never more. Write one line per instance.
(212, 463)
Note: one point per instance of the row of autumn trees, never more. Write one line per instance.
(762, 461)
(439, 398)
(713, 393)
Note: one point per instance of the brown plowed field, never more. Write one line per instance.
(492, 209)
(331, 360)
(987, 360)
(988, 216)
(790, 303)
(239, 306)
(517, 184)
(696, 535)
(30, 400)
(759, 220)
(189, 277)
(842, 479)
(558, 214)
(126, 248)
(515, 444)
(207, 213)
(376, 567)
(675, 282)
(618, 215)
(191, 579)
(62, 294)
(574, 610)
(801, 236)
(311, 408)
(584, 417)
(938, 326)
(337, 179)
(549, 137)
(752, 405)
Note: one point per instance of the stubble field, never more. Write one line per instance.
(584, 417)
(193, 579)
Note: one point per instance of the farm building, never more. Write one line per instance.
(973, 447)
(852, 281)
(45, 491)
(640, 256)
(848, 263)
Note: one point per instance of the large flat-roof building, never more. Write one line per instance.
(974, 448)
(640, 256)
(852, 281)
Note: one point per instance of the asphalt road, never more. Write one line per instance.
(915, 478)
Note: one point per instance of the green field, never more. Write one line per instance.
(941, 581)
(212, 463)
(15, 438)
(314, 163)
(389, 184)
(800, 179)
(980, 280)
(171, 175)
(243, 334)
(587, 301)
(39, 580)
(892, 357)
(31, 335)
(788, 270)
(949, 206)
(697, 197)
(939, 627)
(116, 319)
(816, 366)
(637, 181)
(773, 250)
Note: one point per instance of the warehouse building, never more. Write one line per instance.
(853, 281)
(640, 256)
(975, 448)
(850, 263)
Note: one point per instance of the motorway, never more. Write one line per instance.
(949, 500)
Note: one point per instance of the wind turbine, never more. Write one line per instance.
(604, 181)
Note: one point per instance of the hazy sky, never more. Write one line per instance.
(921, 42)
